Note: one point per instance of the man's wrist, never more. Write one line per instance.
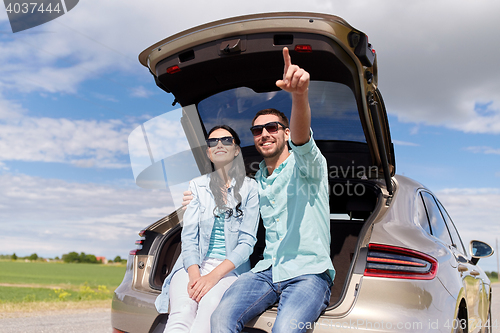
(300, 94)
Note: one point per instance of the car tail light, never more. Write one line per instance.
(173, 69)
(303, 48)
(396, 262)
(139, 243)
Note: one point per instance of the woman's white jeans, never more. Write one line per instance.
(187, 315)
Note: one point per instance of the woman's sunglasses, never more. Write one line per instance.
(271, 128)
(226, 141)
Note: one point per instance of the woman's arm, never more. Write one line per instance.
(201, 286)
(194, 275)
(190, 235)
(242, 251)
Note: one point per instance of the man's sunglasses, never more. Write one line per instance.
(271, 128)
(226, 141)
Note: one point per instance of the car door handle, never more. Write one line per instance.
(462, 268)
(475, 273)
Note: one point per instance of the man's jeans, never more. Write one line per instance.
(301, 301)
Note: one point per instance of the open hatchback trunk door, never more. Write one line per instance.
(224, 72)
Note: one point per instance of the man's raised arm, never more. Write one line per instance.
(296, 81)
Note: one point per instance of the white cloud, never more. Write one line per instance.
(10, 109)
(105, 98)
(478, 121)
(405, 143)
(52, 217)
(484, 150)
(432, 67)
(415, 130)
(475, 212)
(140, 92)
(84, 143)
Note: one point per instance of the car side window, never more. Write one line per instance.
(457, 241)
(438, 226)
(422, 215)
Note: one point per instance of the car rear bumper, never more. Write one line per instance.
(383, 305)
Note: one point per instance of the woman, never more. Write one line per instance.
(218, 235)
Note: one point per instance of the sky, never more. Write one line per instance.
(72, 90)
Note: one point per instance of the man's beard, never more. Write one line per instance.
(269, 154)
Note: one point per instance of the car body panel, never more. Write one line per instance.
(133, 309)
(328, 25)
(377, 309)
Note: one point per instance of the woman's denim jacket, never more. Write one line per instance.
(240, 232)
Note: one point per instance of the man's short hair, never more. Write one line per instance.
(279, 114)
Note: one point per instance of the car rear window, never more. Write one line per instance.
(333, 106)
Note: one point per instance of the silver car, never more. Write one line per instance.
(400, 263)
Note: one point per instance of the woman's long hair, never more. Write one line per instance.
(218, 185)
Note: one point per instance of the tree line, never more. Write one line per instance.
(74, 257)
(71, 257)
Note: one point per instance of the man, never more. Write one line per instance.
(296, 270)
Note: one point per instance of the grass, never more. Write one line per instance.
(40, 273)
(35, 286)
(15, 294)
(28, 294)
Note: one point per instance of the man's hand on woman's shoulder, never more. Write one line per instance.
(187, 196)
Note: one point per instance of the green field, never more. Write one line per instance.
(20, 272)
(13, 294)
(37, 281)
(28, 294)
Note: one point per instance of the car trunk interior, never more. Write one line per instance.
(352, 202)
